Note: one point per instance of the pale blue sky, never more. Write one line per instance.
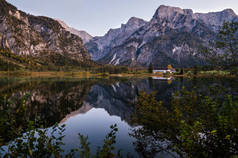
(98, 16)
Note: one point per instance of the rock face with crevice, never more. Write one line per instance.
(38, 36)
(173, 36)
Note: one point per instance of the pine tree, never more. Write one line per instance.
(150, 68)
(227, 41)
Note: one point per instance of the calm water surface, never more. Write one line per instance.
(90, 106)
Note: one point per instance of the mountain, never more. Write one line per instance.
(100, 46)
(82, 34)
(41, 39)
(173, 36)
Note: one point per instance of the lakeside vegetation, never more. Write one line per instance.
(193, 124)
(187, 73)
(204, 72)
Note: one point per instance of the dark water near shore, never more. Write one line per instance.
(90, 106)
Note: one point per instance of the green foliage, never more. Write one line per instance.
(110, 69)
(8, 66)
(228, 42)
(192, 126)
(13, 121)
(39, 142)
(24, 138)
(12, 61)
(55, 62)
(84, 149)
(36, 143)
(195, 70)
(7, 53)
(234, 71)
(215, 72)
(181, 71)
(33, 143)
(106, 151)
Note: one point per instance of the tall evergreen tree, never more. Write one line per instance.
(225, 49)
(228, 42)
(150, 68)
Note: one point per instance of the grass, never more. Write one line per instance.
(72, 74)
(81, 74)
(215, 72)
(88, 74)
(209, 73)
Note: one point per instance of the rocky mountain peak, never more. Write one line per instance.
(113, 38)
(135, 21)
(132, 24)
(62, 23)
(229, 11)
(169, 12)
(215, 19)
(40, 37)
(172, 36)
(82, 34)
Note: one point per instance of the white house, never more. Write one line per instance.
(159, 71)
(164, 71)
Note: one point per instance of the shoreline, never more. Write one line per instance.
(87, 74)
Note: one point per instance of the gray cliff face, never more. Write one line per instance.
(215, 19)
(99, 46)
(172, 36)
(82, 34)
(25, 34)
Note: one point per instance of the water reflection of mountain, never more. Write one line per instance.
(57, 100)
(53, 100)
(49, 101)
(119, 98)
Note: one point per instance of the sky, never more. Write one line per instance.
(98, 16)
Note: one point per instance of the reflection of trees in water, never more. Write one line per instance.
(44, 103)
(149, 144)
(50, 101)
(194, 125)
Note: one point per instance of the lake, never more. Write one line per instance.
(90, 106)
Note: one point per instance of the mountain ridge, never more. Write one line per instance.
(41, 39)
(172, 36)
(113, 37)
(86, 37)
